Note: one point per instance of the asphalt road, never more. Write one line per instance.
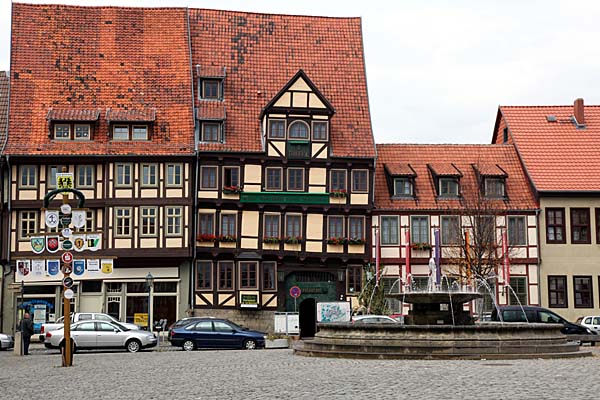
(278, 374)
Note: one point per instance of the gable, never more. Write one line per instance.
(299, 94)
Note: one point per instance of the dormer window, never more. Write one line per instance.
(62, 131)
(319, 130)
(403, 187)
(134, 125)
(211, 132)
(71, 124)
(82, 132)
(277, 128)
(140, 132)
(494, 187)
(448, 187)
(298, 130)
(121, 132)
(211, 89)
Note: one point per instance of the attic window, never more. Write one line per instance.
(494, 187)
(211, 89)
(211, 131)
(403, 187)
(448, 187)
(551, 118)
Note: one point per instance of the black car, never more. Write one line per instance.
(538, 315)
(215, 333)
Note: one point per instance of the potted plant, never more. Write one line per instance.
(227, 238)
(236, 189)
(339, 193)
(206, 237)
(276, 341)
(421, 246)
(271, 240)
(335, 241)
(293, 239)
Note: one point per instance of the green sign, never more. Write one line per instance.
(249, 300)
(284, 198)
(297, 150)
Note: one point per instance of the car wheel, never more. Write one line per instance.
(250, 344)
(188, 345)
(133, 346)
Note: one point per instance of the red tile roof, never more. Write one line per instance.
(262, 52)
(73, 115)
(139, 115)
(83, 58)
(211, 110)
(490, 170)
(4, 84)
(464, 157)
(399, 169)
(558, 155)
(444, 169)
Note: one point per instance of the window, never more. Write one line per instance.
(90, 219)
(505, 135)
(28, 224)
(338, 180)
(149, 175)
(62, 131)
(204, 275)
(248, 272)
(403, 187)
(519, 286)
(319, 130)
(140, 132)
(174, 174)
(555, 225)
(277, 129)
(122, 222)
(51, 175)
(28, 176)
(228, 224)
(211, 89)
(273, 178)
(419, 229)
(225, 275)
(582, 287)
(293, 225)
(450, 230)
(231, 176)
(356, 228)
(268, 275)
(148, 221)
(295, 179)
(210, 131)
(557, 291)
(121, 132)
(580, 225)
(354, 279)
(485, 229)
(82, 132)
(360, 181)
(298, 130)
(598, 225)
(517, 231)
(208, 177)
(272, 225)
(448, 187)
(123, 175)
(389, 230)
(207, 224)
(174, 221)
(494, 187)
(202, 326)
(85, 176)
(335, 226)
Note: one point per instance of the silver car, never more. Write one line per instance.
(6, 341)
(102, 335)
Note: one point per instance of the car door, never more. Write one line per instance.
(596, 324)
(226, 336)
(84, 334)
(109, 335)
(202, 334)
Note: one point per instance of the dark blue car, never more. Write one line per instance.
(215, 333)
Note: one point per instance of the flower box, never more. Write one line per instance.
(356, 241)
(276, 344)
(337, 241)
(339, 193)
(271, 240)
(293, 240)
(204, 237)
(421, 246)
(227, 239)
(232, 189)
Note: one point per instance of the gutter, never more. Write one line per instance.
(6, 269)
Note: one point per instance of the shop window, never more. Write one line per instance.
(91, 286)
(165, 287)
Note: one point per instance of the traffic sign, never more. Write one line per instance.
(66, 269)
(67, 257)
(68, 282)
(295, 292)
(69, 294)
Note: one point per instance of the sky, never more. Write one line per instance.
(438, 70)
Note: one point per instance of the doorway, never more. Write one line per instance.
(308, 318)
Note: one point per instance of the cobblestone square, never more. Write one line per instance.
(277, 374)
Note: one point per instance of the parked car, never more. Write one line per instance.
(398, 317)
(6, 341)
(75, 317)
(373, 319)
(183, 322)
(592, 322)
(215, 333)
(538, 315)
(92, 334)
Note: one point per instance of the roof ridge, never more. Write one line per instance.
(274, 14)
(550, 106)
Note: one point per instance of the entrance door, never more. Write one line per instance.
(165, 307)
(308, 318)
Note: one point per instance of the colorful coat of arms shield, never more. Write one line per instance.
(52, 243)
(38, 244)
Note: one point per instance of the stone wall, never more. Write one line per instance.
(253, 319)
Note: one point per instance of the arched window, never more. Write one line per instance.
(298, 130)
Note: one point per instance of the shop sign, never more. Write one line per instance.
(69, 294)
(52, 266)
(140, 319)
(51, 219)
(249, 301)
(68, 282)
(64, 180)
(52, 243)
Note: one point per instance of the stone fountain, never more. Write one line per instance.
(438, 327)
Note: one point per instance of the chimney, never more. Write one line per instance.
(578, 112)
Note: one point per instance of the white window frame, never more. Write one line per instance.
(453, 181)
(286, 225)
(85, 169)
(303, 179)
(121, 175)
(174, 219)
(269, 189)
(152, 173)
(410, 186)
(123, 221)
(212, 124)
(148, 221)
(202, 183)
(213, 217)
(298, 121)
(268, 214)
(487, 184)
(30, 173)
(31, 218)
(390, 243)
(235, 224)
(412, 226)
(120, 127)
(317, 122)
(354, 190)
(83, 138)
(282, 121)
(174, 175)
(68, 137)
(133, 133)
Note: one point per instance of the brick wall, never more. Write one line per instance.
(253, 319)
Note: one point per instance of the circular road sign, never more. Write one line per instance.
(68, 282)
(66, 269)
(65, 209)
(69, 294)
(295, 292)
(67, 257)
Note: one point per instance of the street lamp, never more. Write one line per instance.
(21, 316)
(149, 283)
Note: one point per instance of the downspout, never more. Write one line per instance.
(6, 269)
(539, 255)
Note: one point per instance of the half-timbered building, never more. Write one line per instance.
(4, 266)
(449, 191)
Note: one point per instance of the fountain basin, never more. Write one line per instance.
(481, 341)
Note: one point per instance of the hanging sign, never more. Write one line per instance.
(38, 267)
(64, 180)
(51, 219)
(78, 267)
(52, 266)
(65, 209)
(107, 265)
(52, 244)
(79, 242)
(68, 282)
(24, 267)
(93, 241)
(69, 294)
(67, 232)
(67, 257)
(67, 245)
(93, 265)
(38, 244)
(66, 269)
(78, 218)
(65, 220)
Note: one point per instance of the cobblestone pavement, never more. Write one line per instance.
(276, 374)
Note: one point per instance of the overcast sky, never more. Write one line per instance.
(437, 70)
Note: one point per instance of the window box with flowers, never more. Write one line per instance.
(339, 193)
(293, 240)
(336, 241)
(232, 189)
(271, 240)
(422, 246)
(356, 241)
(227, 239)
(206, 237)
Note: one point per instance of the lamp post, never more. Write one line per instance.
(149, 283)
(21, 317)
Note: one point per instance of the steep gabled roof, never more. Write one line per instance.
(461, 158)
(131, 61)
(262, 52)
(558, 156)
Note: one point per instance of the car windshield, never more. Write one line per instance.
(118, 325)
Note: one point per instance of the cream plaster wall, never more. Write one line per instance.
(252, 174)
(359, 198)
(314, 102)
(250, 223)
(314, 226)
